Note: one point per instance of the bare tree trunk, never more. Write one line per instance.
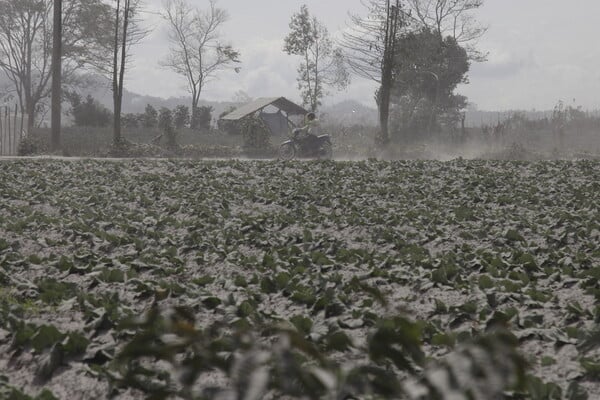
(56, 75)
(196, 51)
(30, 110)
(27, 88)
(126, 32)
(383, 107)
(387, 68)
(196, 91)
(15, 135)
(126, 13)
(195, 101)
(116, 98)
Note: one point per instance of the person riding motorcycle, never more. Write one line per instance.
(308, 133)
(307, 141)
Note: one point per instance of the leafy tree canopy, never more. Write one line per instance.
(428, 69)
(322, 65)
(88, 112)
(149, 118)
(181, 116)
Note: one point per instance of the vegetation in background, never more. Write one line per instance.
(386, 46)
(181, 116)
(256, 137)
(371, 46)
(453, 19)
(197, 51)
(89, 112)
(166, 126)
(201, 118)
(427, 71)
(323, 65)
(26, 46)
(149, 119)
(381, 47)
(126, 31)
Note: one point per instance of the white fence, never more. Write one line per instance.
(13, 128)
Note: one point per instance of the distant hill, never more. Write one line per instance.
(136, 103)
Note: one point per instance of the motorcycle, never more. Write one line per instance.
(306, 147)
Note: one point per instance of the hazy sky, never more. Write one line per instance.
(540, 51)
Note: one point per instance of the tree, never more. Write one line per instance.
(89, 112)
(371, 45)
(451, 18)
(167, 128)
(428, 69)
(201, 118)
(26, 45)
(126, 32)
(118, 65)
(196, 49)
(322, 64)
(181, 116)
(149, 118)
(130, 120)
(56, 74)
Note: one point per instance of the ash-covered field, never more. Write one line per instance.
(225, 279)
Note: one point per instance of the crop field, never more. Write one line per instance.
(266, 280)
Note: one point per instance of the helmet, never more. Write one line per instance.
(310, 116)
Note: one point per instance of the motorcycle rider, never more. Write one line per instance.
(310, 140)
(305, 141)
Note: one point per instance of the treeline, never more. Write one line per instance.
(563, 122)
(91, 113)
(479, 118)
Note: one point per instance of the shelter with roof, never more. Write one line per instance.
(280, 121)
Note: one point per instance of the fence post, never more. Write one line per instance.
(27, 133)
(7, 117)
(22, 126)
(15, 142)
(1, 134)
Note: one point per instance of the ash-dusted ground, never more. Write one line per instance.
(327, 248)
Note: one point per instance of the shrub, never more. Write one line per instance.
(201, 118)
(128, 149)
(209, 151)
(257, 136)
(31, 145)
(149, 118)
(181, 117)
(130, 120)
(89, 112)
(167, 128)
